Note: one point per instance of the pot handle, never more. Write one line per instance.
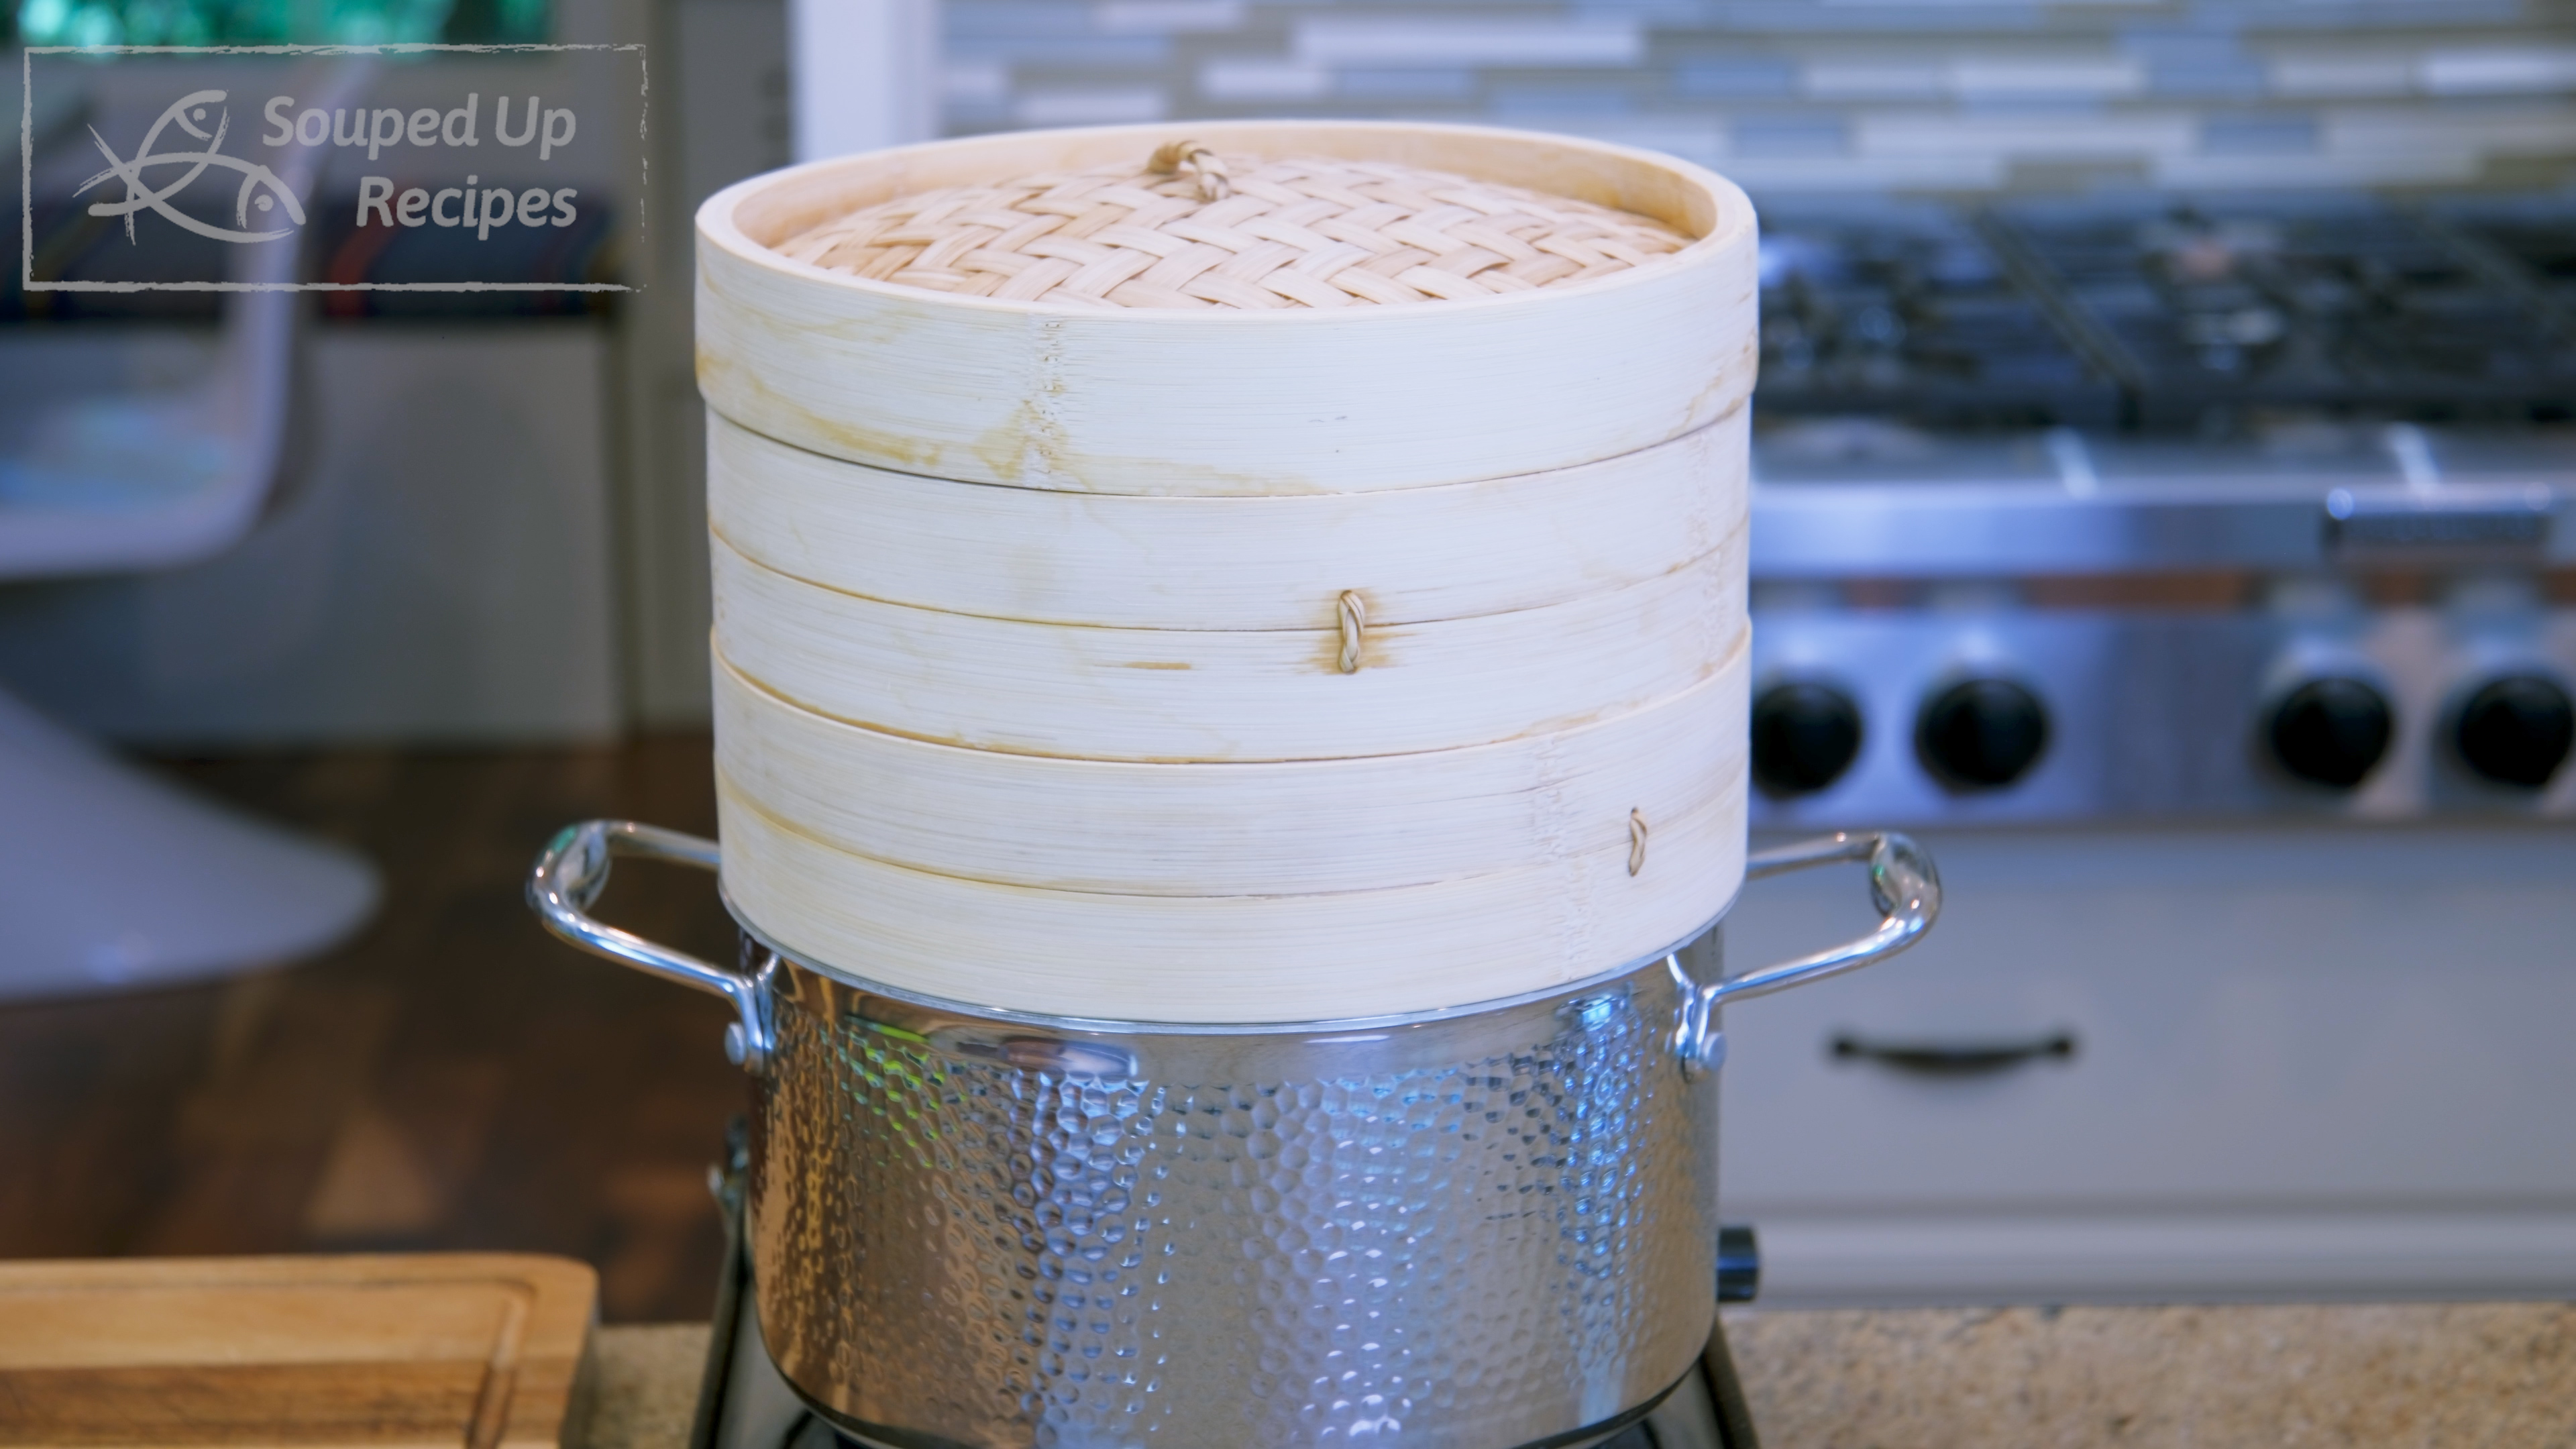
(1903, 885)
(573, 869)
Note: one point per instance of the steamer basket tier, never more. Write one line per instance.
(1414, 555)
(1224, 959)
(1236, 893)
(1280, 828)
(1227, 402)
(1229, 694)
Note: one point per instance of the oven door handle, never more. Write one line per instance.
(1903, 885)
(570, 873)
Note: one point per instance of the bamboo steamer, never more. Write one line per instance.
(1149, 562)
(1253, 957)
(1533, 804)
(1228, 694)
(1226, 402)
(1255, 662)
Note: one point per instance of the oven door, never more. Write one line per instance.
(2249, 1062)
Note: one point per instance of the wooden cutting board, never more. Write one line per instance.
(469, 1349)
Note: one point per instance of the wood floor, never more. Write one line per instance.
(453, 1078)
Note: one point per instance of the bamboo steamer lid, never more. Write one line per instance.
(1257, 957)
(1080, 393)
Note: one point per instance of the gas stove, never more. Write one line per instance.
(1903, 310)
(2166, 508)
(2207, 314)
(2212, 317)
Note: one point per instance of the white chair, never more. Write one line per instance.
(112, 877)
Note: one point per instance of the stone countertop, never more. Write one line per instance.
(2359, 1376)
(644, 1385)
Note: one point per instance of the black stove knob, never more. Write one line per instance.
(2516, 730)
(1982, 734)
(2331, 731)
(1804, 736)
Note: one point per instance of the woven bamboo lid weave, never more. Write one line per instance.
(1189, 228)
(1261, 392)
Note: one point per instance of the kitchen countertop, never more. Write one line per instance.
(2359, 1376)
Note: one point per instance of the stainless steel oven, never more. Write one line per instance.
(2195, 572)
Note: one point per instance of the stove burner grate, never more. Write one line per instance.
(2170, 314)
(2336, 306)
(1905, 311)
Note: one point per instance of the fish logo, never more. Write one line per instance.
(261, 190)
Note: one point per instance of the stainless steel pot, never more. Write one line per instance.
(1463, 1229)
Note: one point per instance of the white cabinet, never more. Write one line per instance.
(2307, 1062)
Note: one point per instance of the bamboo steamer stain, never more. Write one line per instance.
(1195, 574)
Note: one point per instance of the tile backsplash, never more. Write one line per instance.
(1826, 95)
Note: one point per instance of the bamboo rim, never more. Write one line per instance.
(751, 218)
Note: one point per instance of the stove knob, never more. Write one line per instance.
(2331, 731)
(1982, 734)
(2516, 730)
(1804, 736)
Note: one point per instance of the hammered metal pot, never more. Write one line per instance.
(1477, 1228)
